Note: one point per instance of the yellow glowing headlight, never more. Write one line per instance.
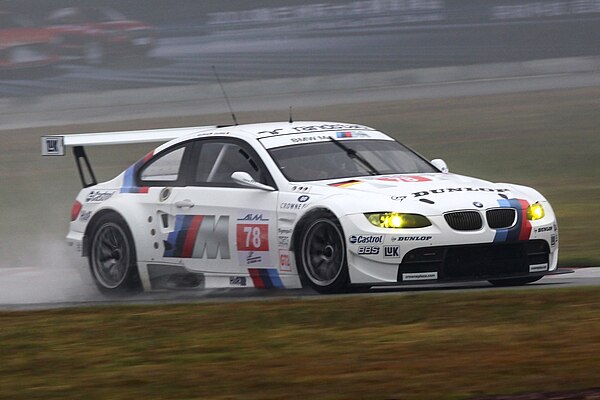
(397, 220)
(535, 211)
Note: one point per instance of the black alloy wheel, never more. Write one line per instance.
(112, 256)
(322, 254)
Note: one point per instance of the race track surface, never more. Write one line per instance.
(58, 287)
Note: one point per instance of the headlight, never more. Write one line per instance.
(535, 211)
(397, 220)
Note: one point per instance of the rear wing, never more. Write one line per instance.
(55, 145)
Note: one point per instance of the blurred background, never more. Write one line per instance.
(83, 46)
(506, 90)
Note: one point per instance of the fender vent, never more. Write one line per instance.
(464, 220)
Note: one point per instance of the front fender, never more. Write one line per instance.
(532, 194)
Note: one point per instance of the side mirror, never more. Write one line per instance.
(440, 164)
(244, 179)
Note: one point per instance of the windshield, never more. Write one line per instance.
(329, 160)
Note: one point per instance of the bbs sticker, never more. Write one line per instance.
(368, 250)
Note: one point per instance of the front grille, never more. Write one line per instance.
(464, 220)
(501, 217)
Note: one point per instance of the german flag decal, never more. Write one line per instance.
(349, 183)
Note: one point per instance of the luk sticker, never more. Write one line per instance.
(391, 251)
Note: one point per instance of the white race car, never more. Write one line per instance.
(285, 205)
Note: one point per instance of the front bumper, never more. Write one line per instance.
(439, 254)
(475, 262)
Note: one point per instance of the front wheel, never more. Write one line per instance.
(112, 257)
(514, 281)
(322, 254)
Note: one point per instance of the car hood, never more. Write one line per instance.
(423, 193)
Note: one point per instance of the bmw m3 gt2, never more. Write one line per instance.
(327, 205)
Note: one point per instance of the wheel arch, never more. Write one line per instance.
(131, 282)
(340, 283)
(301, 224)
(91, 226)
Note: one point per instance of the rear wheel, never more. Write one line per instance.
(112, 257)
(515, 281)
(322, 254)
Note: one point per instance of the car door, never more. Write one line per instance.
(221, 226)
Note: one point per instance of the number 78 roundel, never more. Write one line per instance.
(252, 237)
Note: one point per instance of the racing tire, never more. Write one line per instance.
(112, 257)
(514, 281)
(321, 254)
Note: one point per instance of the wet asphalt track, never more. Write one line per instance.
(31, 288)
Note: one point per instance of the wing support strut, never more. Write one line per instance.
(79, 154)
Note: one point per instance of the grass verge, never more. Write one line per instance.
(411, 346)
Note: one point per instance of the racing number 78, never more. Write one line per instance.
(253, 237)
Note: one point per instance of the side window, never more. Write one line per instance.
(165, 168)
(218, 160)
